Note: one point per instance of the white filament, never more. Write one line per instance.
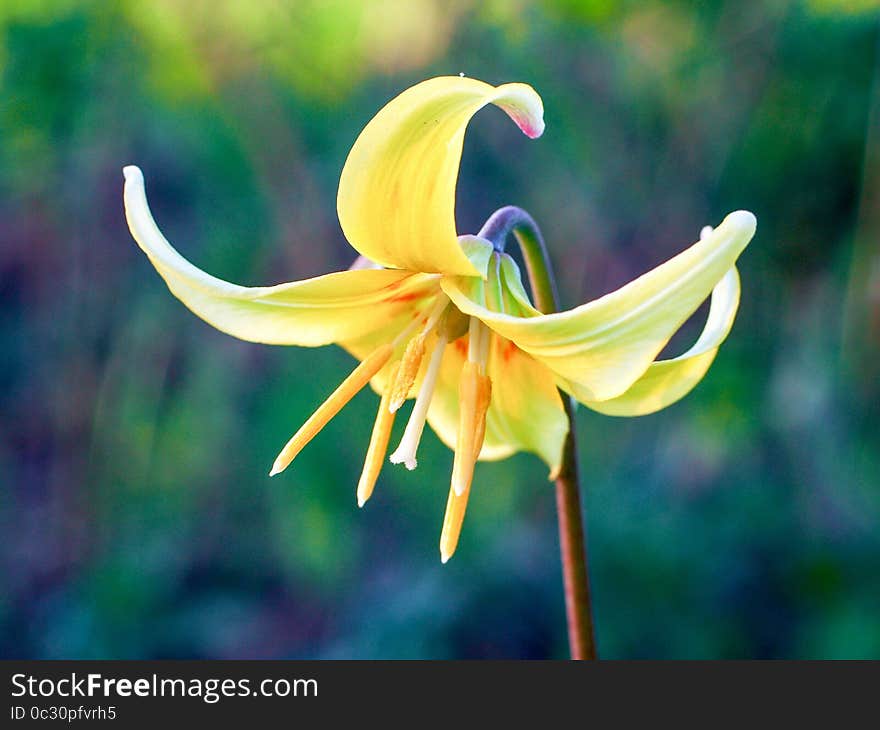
(406, 452)
(478, 343)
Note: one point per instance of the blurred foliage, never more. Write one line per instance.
(136, 514)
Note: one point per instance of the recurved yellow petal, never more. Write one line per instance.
(396, 200)
(666, 381)
(346, 305)
(606, 345)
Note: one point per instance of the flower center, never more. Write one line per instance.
(428, 338)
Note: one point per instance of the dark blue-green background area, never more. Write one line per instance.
(136, 514)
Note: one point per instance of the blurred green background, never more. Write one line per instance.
(137, 518)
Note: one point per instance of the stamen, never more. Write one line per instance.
(474, 392)
(409, 444)
(349, 387)
(378, 444)
(412, 356)
(484, 396)
(475, 332)
(474, 395)
(478, 343)
(409, 369)
(456, 506)
(483, 352)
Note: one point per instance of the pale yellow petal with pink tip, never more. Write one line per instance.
(396, 199)
(343, 306)
(603, 347)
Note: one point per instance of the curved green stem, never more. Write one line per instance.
(572, 545)
(511, 219)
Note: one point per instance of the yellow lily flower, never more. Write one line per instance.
(445, 319)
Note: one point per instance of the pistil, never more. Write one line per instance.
(378, 445)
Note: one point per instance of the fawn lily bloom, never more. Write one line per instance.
(445, 319)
